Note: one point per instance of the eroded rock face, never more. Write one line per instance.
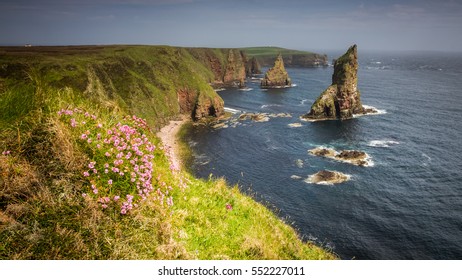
(200, 104)
(235, 72)
(276, 76)
(341, 99)
(252, 67)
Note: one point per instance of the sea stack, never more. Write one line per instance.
(276, 77)
(342, 98)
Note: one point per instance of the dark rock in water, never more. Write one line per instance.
(323, 152)
(277, 76)
(354, 157)
(349, 155)
(328, 177)
(341, 99)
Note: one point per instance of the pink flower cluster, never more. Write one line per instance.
(121, 167)
(5, 153)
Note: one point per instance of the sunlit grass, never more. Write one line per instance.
(73, 166)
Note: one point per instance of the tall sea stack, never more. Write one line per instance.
(342, 98)
(276, 76)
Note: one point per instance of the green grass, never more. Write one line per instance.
(272, 51)
(43, 214)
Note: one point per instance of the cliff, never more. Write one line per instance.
(265, 56)
(276, 76)
(127, 75)
(342, 98)
(230, 67)
(83, 175)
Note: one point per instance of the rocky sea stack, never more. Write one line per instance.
(342, 98)
(277, 76)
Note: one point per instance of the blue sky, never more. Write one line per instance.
(309, 25)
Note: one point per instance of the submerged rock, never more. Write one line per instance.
(277, 76)
(342, 98)
(327, 177)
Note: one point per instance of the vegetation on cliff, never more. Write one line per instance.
(83, 175)
(292, 58)
(342, 98)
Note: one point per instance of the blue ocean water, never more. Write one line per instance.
(408, 205)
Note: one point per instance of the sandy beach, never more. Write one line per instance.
(167, 134)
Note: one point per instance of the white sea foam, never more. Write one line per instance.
(294, 125)
(303, 102)
(382, 143)
(219, 89)
(231, 110)
(270, 105)
(295, 177)
(377, 111)
(246, 89)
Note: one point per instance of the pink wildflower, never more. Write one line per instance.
(73, 123)
(86, 174)
(116, 198)
(229, 207)
(84, 136)
(91, 164)
(109, 181)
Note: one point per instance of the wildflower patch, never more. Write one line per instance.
(120, 171)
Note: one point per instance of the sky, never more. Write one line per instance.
(434, 25)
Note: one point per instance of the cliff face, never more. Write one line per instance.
(152, 82)
(230, 67)
(341, 99)
(276, 76)
(253, 67)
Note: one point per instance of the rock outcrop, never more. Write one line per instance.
(328, 177)
(354, 157)
(235, 71)
(342, 98)
(200, 104)
(252, 67)
(277, 76)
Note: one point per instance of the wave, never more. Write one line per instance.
(294, 125)
(382, 143)
(233, 111)
(377, 111)
(303, 102)
(270, 105)
(246, 89)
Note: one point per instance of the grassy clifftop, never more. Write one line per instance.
(83, 175)
(266, 56)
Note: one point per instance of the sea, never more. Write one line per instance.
(407, 204)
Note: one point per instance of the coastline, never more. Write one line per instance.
(168, 137)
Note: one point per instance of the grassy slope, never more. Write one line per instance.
(272, 51)
(266, 56)
(43, 214)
